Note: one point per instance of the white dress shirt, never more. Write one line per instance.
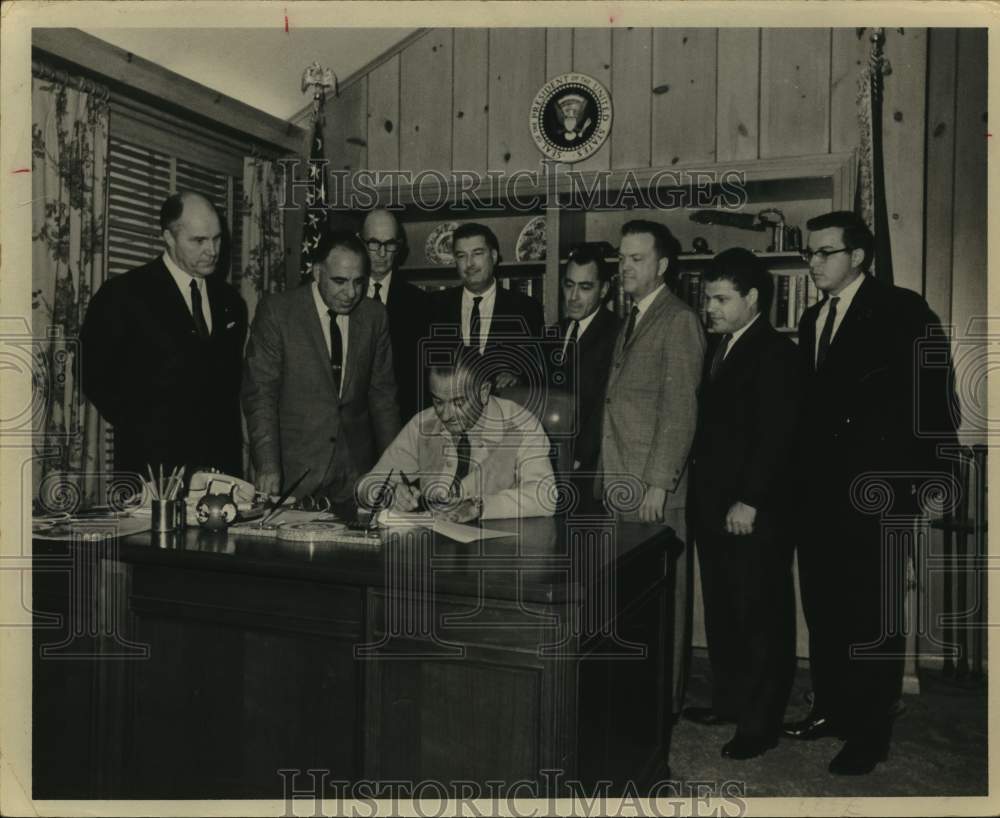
(643, 305)
(343, 321)
(584, 323)
(485, 314)
(383, 292)
(846, 296)
(183, 281)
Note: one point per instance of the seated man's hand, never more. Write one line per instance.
(405, 498)
(268, 481)
(464, 512)
(651, 510)
(505, 379)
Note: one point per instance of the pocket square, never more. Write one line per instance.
(230, 325)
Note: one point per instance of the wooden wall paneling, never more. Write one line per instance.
(969, 296)
(794, 91)
(558, 51)
(850, 52)
(903, 129)
(516, 72)
(426, 103)
(383, 116)
(683, 95)
(347, 127)
(631, 83)
(470, 115)
(346, 139)
(592, 56)
(941, 64)
(738, 103)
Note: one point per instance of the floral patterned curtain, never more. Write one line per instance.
(263, 251)
(69, 151)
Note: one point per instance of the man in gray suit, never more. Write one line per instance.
(651, 406)
(318, 385)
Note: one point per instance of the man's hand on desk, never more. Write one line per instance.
(651, 510)
(405, 498)
(464, 512)
(268, 481)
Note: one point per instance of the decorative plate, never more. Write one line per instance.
(437, 248)
(531, 242)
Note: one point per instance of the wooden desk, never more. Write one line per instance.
(193, 665)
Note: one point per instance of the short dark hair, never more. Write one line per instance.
(746, 271)
(173, 208)
(451, 358)
(857, 235)
(592, 253)
(663, 240)
(344, 239)
(471, 230)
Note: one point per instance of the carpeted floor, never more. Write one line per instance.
(938, 748)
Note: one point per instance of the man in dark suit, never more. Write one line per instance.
(859, 348)
(162, 347)
(405, 303)
(501, 324)
(588, 332)
(651, 407)
(318, 387)
(742, 461)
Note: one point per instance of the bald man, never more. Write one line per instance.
(407, 305)
(162, 346)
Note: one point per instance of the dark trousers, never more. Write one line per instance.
(750, 625)
(852, 597)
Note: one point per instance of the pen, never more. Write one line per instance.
(414, 485)
(281, 500)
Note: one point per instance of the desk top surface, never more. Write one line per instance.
(546, 559)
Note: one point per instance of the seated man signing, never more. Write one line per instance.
(470, 456)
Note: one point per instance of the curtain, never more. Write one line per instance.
(263, 235)
(69, 152)
(262, 268)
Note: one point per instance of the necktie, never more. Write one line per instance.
(378, 290)
(464, 451)
(827, 334)
(196, 312)
(474, 323)
(336, 349)
(630, 326)
(720, 354)
(571, 337)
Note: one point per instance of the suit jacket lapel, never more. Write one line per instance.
(739, 350)
(356, 330)
(647, 320)
(314, 329)
(169, 302)
(852, 324)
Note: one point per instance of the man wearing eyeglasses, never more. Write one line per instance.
(406, 304)
(859, 348)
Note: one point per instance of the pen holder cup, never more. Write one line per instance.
(169, 515)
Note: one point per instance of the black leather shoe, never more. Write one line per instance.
(744, 747)
(705, 715)
(858, 758)
(810, 728)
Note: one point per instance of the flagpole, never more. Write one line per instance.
(317, 79)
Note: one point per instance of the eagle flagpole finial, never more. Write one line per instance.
(319, 79)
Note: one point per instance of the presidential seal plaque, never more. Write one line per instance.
(571, 117)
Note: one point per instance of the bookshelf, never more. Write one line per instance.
(800, 187)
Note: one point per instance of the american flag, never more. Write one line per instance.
(315, 202)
